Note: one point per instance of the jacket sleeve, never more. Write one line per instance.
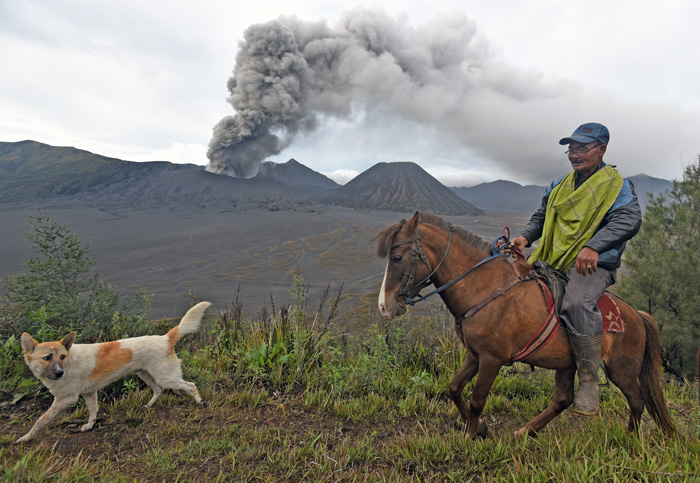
(621, 222)
(534, 227)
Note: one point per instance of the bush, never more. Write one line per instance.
(59, 293)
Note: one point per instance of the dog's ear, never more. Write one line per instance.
(68, 340)
(28, 343)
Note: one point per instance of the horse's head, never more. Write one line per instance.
(407, 269)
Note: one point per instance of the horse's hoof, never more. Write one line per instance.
(483, 430)
(522, 432)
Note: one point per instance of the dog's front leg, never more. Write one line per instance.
(56, 408)
(91, 405)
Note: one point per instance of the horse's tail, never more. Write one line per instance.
(650, 377)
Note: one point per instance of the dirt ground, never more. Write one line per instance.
(123, 438)
(133, 439)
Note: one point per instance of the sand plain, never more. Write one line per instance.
(214, 254)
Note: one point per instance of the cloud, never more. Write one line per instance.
(342, 176)
(289, 72)
(489, 88)
(442, 80)
(177, 153)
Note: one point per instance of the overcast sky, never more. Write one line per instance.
(147, 80)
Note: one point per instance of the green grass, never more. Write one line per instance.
(292, 399)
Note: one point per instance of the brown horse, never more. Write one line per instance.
(500, 321)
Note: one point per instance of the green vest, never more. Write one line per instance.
(573, 215)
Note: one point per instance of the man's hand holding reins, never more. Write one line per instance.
(520, 242)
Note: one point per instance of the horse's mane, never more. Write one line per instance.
(465, 235)
(385, 237)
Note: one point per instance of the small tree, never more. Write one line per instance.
(664, 269)
(60, 292)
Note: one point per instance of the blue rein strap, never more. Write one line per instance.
(413, 301)
(503, 242)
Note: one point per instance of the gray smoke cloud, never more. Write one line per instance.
(267, 89)
(444, 75)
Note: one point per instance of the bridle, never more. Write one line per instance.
(417, 253)
(408, 279)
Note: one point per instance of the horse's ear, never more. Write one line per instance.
(415, 219)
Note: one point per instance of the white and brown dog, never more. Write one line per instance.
(72, 370)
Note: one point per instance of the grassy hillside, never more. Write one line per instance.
(293, 397)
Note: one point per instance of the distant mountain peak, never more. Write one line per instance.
(400, 186)
(295, 175)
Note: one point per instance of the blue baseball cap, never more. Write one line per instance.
(587, 133)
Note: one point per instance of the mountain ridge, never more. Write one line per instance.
(511, 196)
(31, 172)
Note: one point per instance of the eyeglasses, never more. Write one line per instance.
(580, 151)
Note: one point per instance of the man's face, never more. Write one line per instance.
(585, 158)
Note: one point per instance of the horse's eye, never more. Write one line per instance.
(63, 356)
(396, 258)
(47, 358)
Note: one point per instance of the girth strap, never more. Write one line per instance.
(544, 335)
(546, 332)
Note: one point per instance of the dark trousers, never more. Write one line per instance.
(579, 311)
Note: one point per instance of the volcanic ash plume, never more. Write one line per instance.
(290, 73)
(266, 91)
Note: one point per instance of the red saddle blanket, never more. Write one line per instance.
(612, 320)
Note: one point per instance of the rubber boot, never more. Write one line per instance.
(587, 355)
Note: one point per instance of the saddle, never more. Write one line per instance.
(554, 280)
(553, 284)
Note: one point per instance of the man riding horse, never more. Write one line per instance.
(584, 221)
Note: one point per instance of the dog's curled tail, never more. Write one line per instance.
(189, 324)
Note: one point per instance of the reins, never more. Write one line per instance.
(496, 247)
(412, 301)
(417, 251)
(503, 242)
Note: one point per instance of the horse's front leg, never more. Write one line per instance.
(469, 368)
(487, 371)
(562, 399)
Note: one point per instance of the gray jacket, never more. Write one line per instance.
(620, 223)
